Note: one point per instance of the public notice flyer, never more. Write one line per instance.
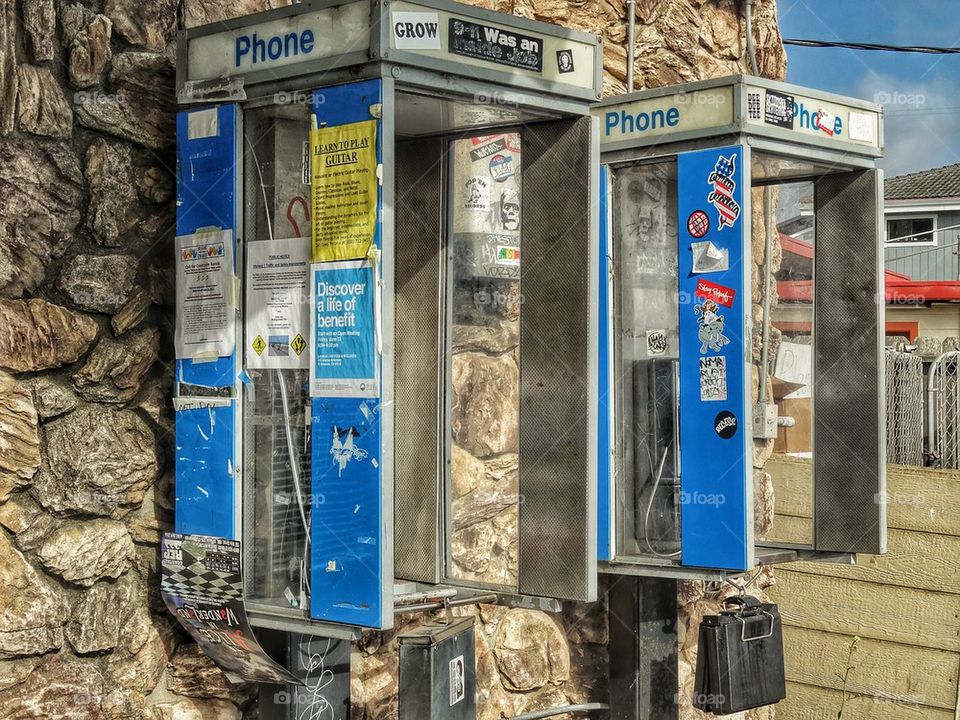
(343, 177)
(202, 586)
(277, 304)
(206, 304)
(343, 331)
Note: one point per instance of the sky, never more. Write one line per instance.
(920, 92)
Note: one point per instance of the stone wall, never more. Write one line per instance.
(86, 225)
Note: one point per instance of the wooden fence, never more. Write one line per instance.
(905, 606)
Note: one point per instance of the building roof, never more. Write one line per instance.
(942, 182)
(899, 289)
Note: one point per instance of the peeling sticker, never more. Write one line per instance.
(366, 541)
(331, 566)
(366, 411)
(373, 461)
(343, 449)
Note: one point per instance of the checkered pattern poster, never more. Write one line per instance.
(202, 586)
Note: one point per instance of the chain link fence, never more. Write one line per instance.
(943, 388)
(904, 408)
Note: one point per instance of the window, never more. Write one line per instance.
(916, 230)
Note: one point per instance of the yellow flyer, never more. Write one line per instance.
(343, 173)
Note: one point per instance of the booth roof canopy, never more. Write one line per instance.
(942, 182)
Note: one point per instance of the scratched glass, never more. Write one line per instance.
(276, 462)
(646, 351)
(484, 262)
(784, 218)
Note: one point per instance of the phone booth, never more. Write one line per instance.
(741, 327)
(387, 237)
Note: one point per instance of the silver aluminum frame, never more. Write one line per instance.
(632, 151)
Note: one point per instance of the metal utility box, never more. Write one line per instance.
(386, 252)
(741, 317)
(438, 672)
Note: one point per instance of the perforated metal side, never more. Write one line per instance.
(849, 430)
(418, 377)
(557, 513)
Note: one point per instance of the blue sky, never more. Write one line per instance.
(920, 93)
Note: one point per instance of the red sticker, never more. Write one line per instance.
(718, 293)
(698, 223)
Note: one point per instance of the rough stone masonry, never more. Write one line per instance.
(86, 291)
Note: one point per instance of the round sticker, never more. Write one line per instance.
(698, 223)
(725, 424)
(501, 167)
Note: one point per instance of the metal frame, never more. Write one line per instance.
(837, 157)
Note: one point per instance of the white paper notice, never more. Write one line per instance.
(206, 307)
(861, 127)
(278, 304)
(795, 365)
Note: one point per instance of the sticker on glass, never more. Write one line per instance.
(710, 320)
(501, 167)
(656, 342)
(713, 378)
(508, 255)
(509, 209)
(476, 193)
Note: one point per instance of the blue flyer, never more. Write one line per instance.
(343, 330)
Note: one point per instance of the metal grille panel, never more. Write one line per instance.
(418, 441)
(945, 381)
(557, 536)
(849, 444)
(904, 408)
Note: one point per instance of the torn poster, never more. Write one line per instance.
(202, 586)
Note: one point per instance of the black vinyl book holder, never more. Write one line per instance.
(740, 658)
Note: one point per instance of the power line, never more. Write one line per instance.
(928, 49)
